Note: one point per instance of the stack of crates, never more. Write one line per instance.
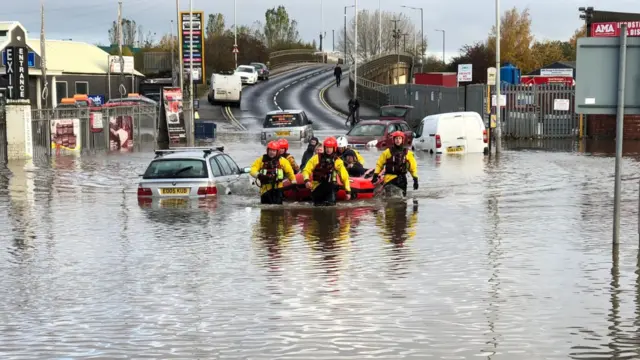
(205, 130)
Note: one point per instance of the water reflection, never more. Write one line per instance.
(21, 206)
(397, 225)
(494, 256)
(272, 232)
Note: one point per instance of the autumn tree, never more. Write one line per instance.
(129, 32)
(278, 30)
(573, 42)
(547, 52)
(215, 25)
(434, 64)
(480, 56)
(516, 39)
(369, 35)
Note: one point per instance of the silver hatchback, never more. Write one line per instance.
(190, 173)
(293, 125)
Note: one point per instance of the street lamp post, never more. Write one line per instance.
(355, 55)
(443, 42)
(498, 103)
(345, 32)
(422, 49)
(235, 35)
(380, 26)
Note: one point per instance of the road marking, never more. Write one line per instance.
(228, 114)
(324, 102)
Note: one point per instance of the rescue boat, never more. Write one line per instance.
(361, 188)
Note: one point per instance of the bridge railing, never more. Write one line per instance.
(370, 91)
(284, 57)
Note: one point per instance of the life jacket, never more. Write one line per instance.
(397, 163)
(325, 170)
(271, 168)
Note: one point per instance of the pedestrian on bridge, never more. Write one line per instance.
(337, 72)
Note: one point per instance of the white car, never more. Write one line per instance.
(248, 74)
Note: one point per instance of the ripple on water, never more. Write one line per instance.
(507, 258)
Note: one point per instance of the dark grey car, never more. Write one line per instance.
(263, 70)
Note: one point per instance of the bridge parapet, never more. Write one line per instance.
(284, 57)
(387, 66)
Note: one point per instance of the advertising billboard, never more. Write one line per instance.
(612, 29)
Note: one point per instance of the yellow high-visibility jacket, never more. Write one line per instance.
(412, 167)
(396, 226)
(292, 162)
(285, 170)
(339, 170)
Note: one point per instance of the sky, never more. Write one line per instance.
(464, 21)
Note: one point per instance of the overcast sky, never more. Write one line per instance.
(465, 21)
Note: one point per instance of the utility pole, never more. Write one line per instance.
(322, 34)
(173, 60)
(180, 49)
(43, 61)
(355, 55)
(395, 33)
(191, 93)
(235, 34)
(121, 87)
(498, 82)
(333, 40)
(404, 42)
(380, 26)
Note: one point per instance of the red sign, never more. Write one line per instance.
(539, 80)
(612, 29)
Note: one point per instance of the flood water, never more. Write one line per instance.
(508, 258)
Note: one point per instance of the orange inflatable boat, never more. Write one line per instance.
(361, 188)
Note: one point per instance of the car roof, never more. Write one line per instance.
(257, 63)
(286, 111)
(188, 155)
(246, 66)
(397, 106)
(381, 121)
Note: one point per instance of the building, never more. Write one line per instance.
(71, 67)
(558, 68)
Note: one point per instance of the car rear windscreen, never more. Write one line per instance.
(393, 112)
(246, 70)
(282, 120)
(367, 130)
(176, 169)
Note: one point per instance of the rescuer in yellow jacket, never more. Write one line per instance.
(343, 144)
(284, 152)
(270, 170)
(323, 169)
(397, 161)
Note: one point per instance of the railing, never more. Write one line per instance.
(78, 130)
(284, 57)
(373, 92)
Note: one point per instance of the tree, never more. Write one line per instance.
(516, 39)
(573, 42)
(215, 25)
(129, 32)
(434, 64)
(368, 35)
(547, 52)
(480, 56)
(278, 29)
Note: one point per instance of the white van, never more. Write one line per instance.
(452, 133)
(225, 89)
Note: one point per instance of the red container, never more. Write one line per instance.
(446, 79)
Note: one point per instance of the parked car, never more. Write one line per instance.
(182, 174)
(131, 100)
(377, 133)
(293, 125)
(248, 74)
(225, 88)
(452, 133)
(263, 70)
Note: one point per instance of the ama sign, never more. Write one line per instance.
(17, 70)
(612, 29)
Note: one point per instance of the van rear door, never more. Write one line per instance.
(452, 134)
(473, 128)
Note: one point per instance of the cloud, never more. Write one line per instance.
(464, 21)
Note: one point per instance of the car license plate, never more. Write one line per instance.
(221, 92)
(174, 191)
(455, 148)
(173, 202)
(283, 133)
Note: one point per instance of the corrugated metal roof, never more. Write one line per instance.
(74, 57)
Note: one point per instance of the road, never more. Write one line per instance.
(296, 88)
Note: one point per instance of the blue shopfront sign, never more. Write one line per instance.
(31, 58)
(98, 100)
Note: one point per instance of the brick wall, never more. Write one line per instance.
(604, 126)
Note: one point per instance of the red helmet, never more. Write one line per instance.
(396, 134)
(273, 145)
(284, 144)
(330, 142)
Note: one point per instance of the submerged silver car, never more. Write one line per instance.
(190, 173)
(293, 125)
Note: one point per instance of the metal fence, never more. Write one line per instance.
(539, 111)
(429, 100)
(284, 57)
(79, 130)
